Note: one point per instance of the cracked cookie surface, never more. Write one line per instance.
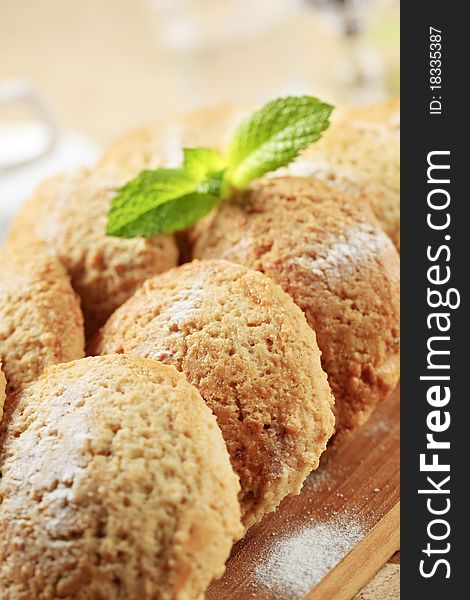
(327, 251)
(360, 153)
(116, 484)
(249, 350)
(68, 213)
(41, 323)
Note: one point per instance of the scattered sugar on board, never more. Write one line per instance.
(292, 565)
(374, 429)
(324, 478)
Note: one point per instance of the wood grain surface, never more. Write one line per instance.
(329, 541)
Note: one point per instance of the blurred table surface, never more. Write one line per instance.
(106, 66)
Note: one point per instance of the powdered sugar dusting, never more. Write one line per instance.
(294, 564)
(346, 256)
(377, 428)
(321, 168)
(324, 479)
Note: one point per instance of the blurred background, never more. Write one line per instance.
(76, 74)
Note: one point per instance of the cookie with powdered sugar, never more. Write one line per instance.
(328, 252)
(41, 323)
(250, 352)
(360, 153)
(68, 212)
(116, 483)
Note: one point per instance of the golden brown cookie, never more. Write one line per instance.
(162, 144)
(248, 349)
(41, 323)
(360, 152)
(330, 255)
(69, 213)
(116, 484)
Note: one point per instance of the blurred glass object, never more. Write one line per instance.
(19, 144)
(32, 146)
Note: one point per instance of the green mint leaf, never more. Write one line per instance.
(201, 163)
(168, 200)
(207, 167)
(273, 136)
(160, 201)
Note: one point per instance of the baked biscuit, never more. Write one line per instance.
(248, 349)
(41, 323)
(161, 145)
(69, 213)
(116, 484)
(360, 153)
(330, 255)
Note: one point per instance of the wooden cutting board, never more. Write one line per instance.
(329, 541)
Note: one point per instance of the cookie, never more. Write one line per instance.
(41, 323)
(248, 349)
(161, 144)
(330, 255)
(360, 152)
(116, 483)
(69, 213)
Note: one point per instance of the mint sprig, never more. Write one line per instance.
(273, 136)
(168, 200)
(202, 163)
